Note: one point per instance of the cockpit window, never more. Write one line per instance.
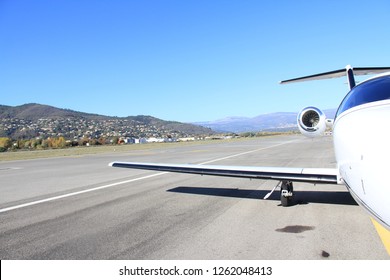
(370, 91)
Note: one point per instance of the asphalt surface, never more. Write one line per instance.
(79, 208)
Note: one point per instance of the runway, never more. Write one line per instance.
(79, 208)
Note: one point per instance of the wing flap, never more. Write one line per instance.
(309, 175)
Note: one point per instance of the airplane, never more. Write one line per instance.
(361, 139)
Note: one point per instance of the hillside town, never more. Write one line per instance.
(35, 126)
(76, 128)
(78, 131)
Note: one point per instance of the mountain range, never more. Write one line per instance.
(280, 121)
(32, 120)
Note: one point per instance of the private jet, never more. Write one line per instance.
(361, 143)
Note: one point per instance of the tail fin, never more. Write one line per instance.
(347, 71)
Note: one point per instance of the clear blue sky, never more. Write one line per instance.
(185, 60)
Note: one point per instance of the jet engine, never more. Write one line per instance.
(312, 122)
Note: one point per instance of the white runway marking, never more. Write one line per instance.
(10, 168)
(77, 193)
(244, 153)
(124, 182)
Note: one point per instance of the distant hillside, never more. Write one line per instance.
(36, 120)
(272, 121)
(33, 111)
(33, 120)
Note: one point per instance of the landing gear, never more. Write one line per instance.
(286, 193)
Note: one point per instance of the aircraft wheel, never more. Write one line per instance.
(286, 193)
(286, 201)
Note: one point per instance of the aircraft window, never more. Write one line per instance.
(371, 91)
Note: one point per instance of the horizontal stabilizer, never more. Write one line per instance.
(339, 73)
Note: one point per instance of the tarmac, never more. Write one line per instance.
(80, 208)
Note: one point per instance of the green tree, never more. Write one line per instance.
(45, 144)
(115, 140)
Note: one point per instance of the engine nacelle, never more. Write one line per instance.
(312, 122)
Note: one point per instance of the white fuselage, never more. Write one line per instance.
(362, 148)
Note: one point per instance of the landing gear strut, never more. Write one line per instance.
(286, 193)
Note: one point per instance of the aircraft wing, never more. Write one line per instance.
(308, 175)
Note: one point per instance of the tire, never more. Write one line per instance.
(286, 201)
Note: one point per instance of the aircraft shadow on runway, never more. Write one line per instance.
(300, 197)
